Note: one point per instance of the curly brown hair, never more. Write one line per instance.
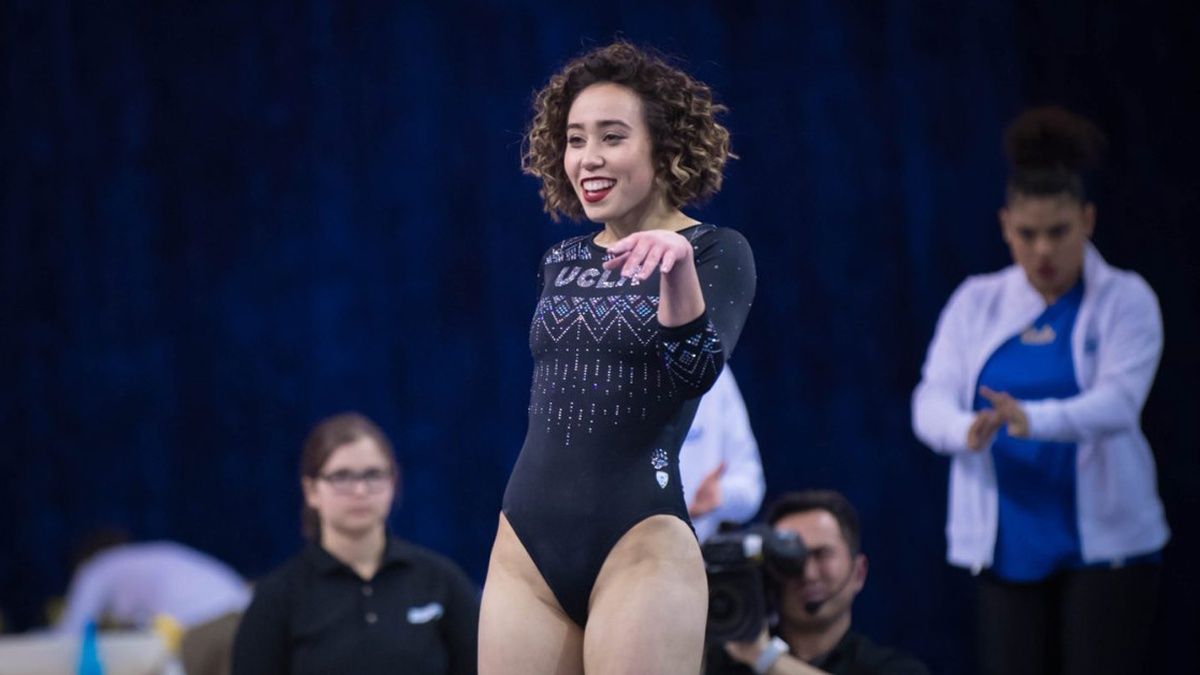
(1050, 149)
(689, 146)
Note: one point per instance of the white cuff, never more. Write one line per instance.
(1041, 416)
(774, 649)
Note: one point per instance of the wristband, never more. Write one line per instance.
(770, 654)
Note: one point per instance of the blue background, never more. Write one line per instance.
(222, 222)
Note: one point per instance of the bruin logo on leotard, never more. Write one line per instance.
(658, 459)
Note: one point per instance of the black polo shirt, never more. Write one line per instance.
(853, 655)
(418, 615)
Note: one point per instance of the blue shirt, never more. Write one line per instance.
(1038, 524)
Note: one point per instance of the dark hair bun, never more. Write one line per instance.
(1050, 138)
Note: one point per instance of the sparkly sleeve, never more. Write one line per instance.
(541, 273)
(695, 352)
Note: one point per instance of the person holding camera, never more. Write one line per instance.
(813, 599)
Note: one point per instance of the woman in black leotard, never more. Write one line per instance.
(595, 565)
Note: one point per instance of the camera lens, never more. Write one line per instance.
(736, 599)
(724, 604)
(725, 608)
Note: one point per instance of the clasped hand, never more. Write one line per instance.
(1005, 410)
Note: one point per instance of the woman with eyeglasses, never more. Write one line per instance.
(357, 600)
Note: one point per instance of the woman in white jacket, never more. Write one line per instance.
(1034, 385)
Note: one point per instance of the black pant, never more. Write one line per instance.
(1093, 621)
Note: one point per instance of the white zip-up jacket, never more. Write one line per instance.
(1116, 344)
(720, 433)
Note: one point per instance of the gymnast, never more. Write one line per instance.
(595, 565)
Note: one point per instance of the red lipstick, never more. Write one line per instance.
(593, 196)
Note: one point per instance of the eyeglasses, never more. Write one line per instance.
(343, 481)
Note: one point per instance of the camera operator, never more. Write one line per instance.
(813, 634)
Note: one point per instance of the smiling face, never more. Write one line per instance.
(1047, 237)
(833, 575)
(354, 489)
(608, 156)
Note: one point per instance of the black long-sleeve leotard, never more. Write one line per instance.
(613, 395)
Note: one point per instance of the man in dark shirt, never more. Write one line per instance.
(813, 634)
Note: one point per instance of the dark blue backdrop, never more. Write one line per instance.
(223, 223)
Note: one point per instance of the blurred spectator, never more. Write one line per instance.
(122, 584)
(1034, 385)
(357, 600)
(719, 464)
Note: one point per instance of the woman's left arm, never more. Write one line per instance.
(705, 290)
(1128, 354)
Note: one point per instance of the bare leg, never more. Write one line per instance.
(650, 603)
(522, 630)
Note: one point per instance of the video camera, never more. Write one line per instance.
(735, 562)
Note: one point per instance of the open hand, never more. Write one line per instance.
(708, 494)
(640, 253)
(985, 425)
